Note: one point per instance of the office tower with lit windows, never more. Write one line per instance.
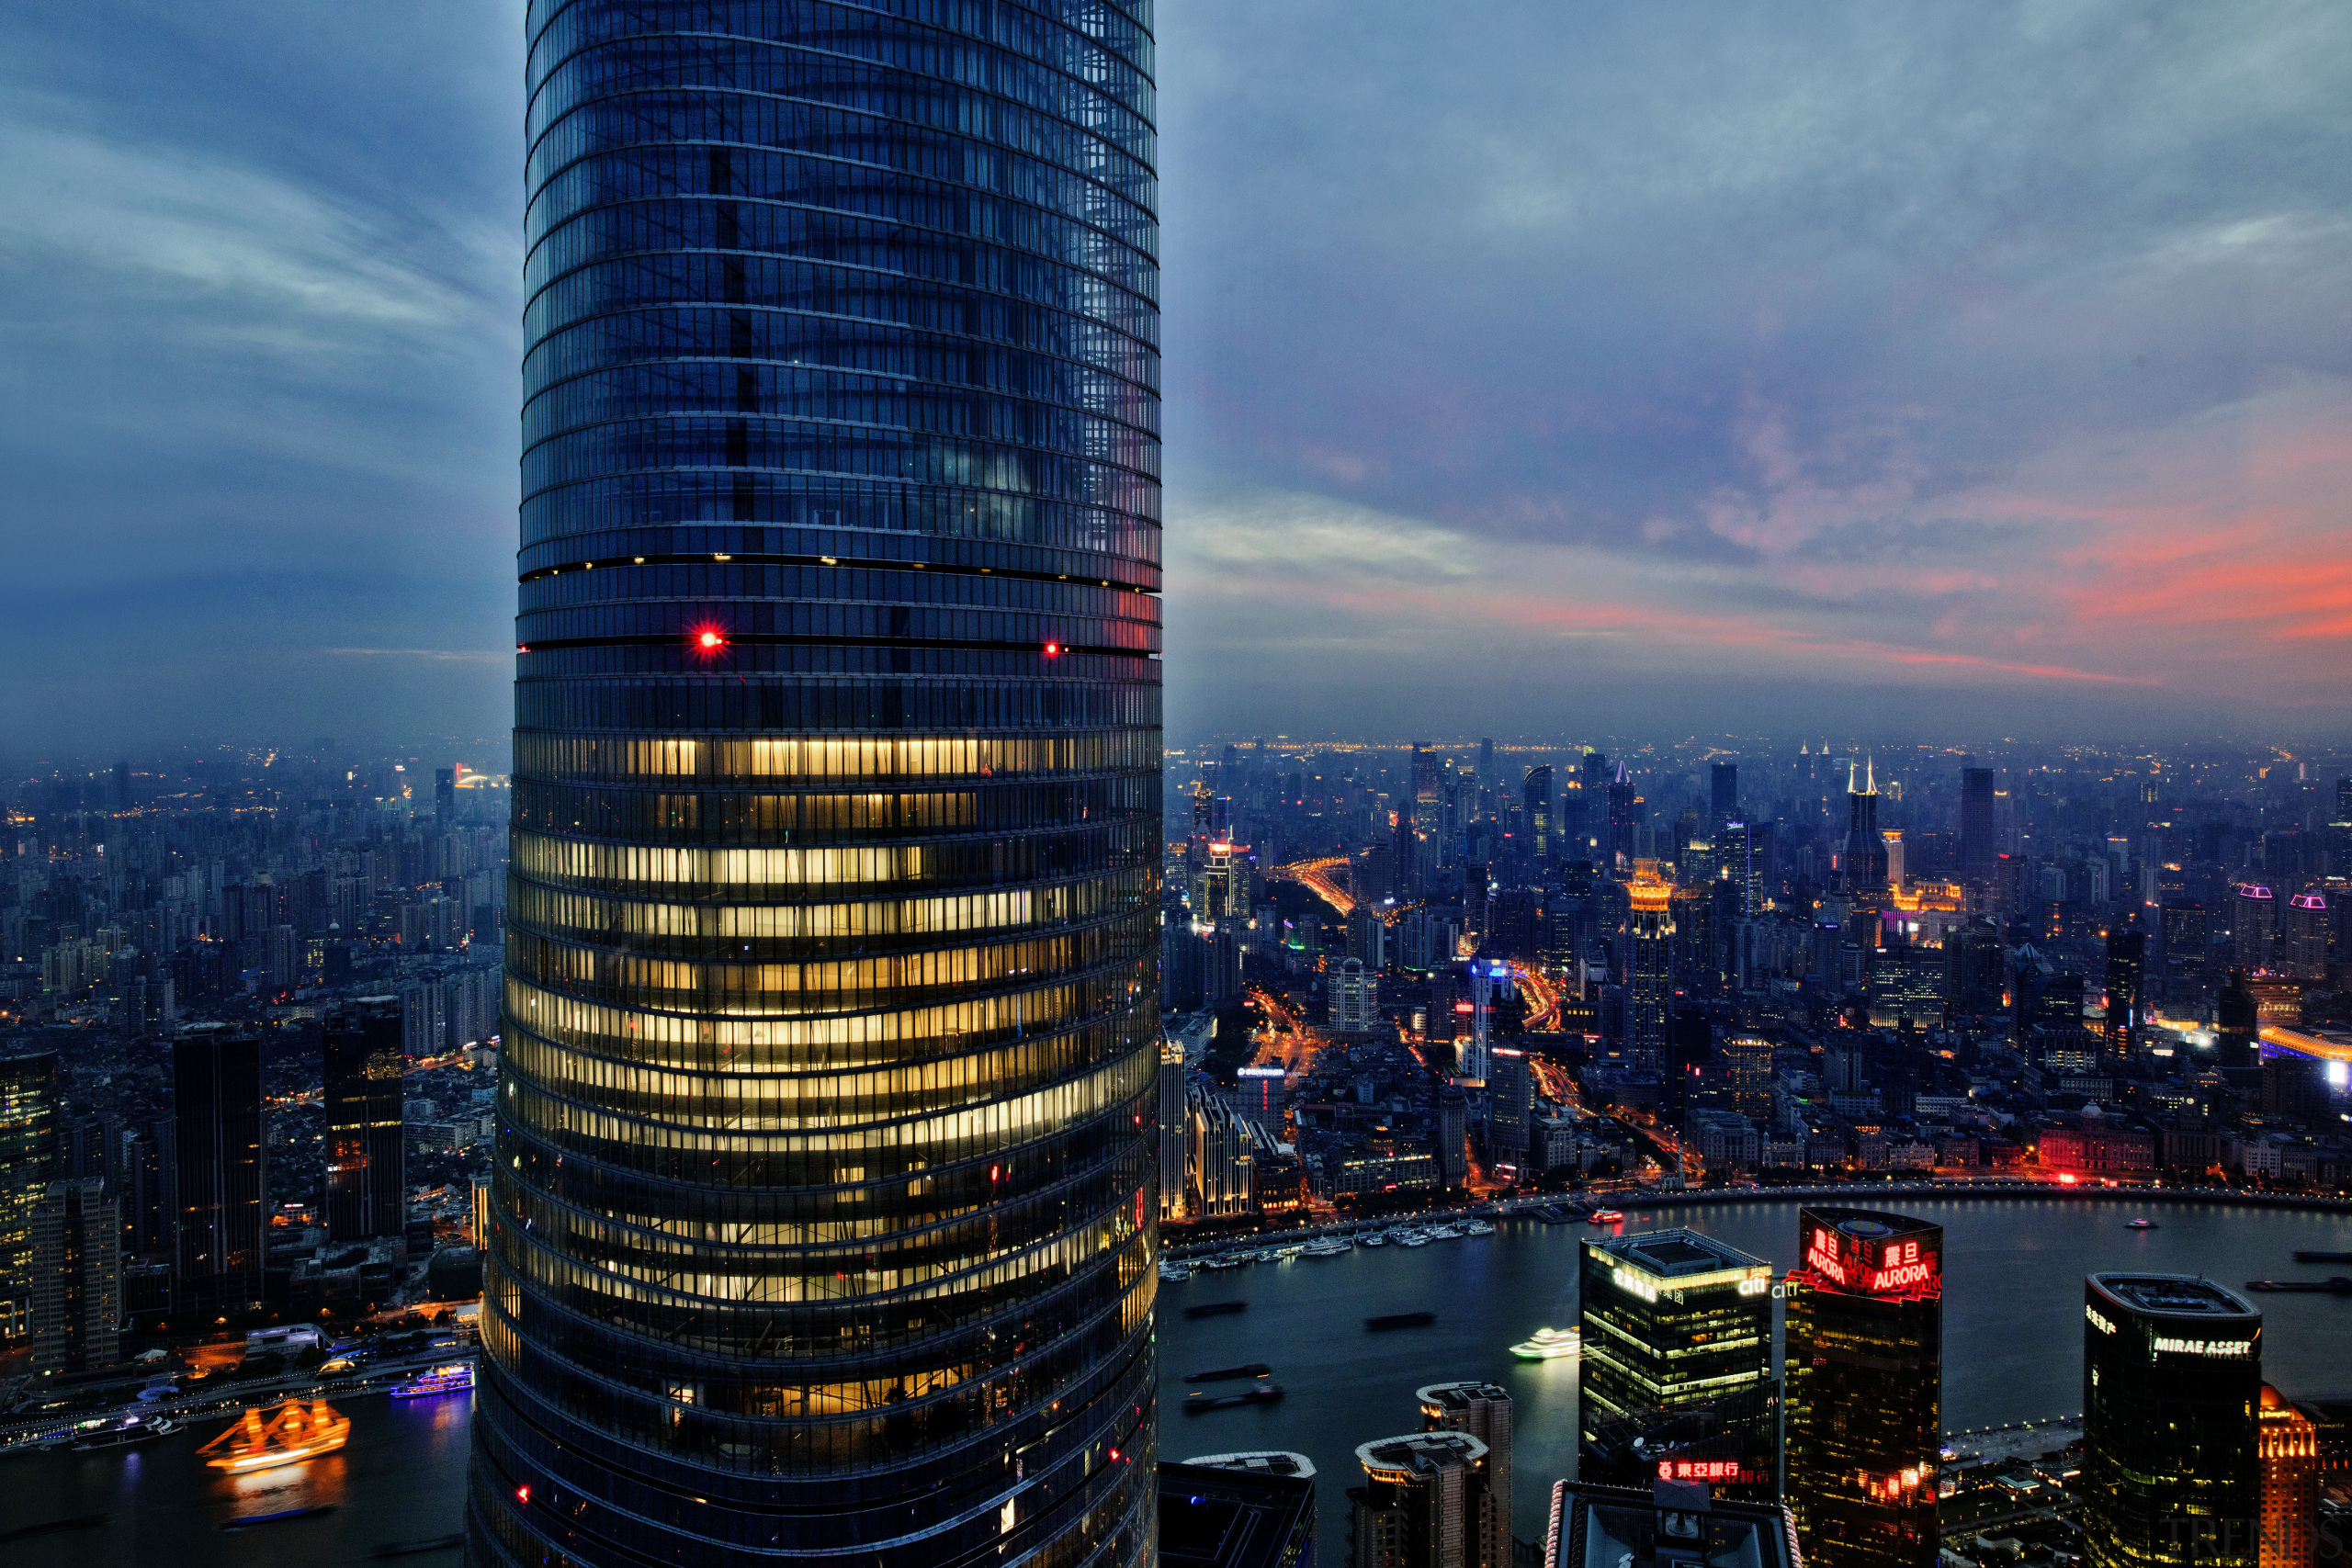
(29, 1158)
(826, 1124)
(2184, 930)
(2127, 955)
(1746, 1069)
(1175, 1130)
(1649, 967)
(1664, 1520)
(77, 1278)
(1864, 1387)
(219, 1136)
(1511, 1105)
(1678, 1353)
(1483, 1411)
(1536, 799)
(2172, 1392)
(362, 1066)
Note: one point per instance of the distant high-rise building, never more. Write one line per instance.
(1624, 819)
(1218, 1143)
(1482, 1410)
(2126, 950)
(1175, 1130)
(1722, 793)
(77, 1278)
(445, 798)
(2308, 927)
(150, 1189)
(217, 1130)
(2237, 1024)
(1863, 863)
(1536, 799)
(1453, 1134)
(1865, 1387)
(1980, 838)
(2183, 951)
(1675, 1321)
(1355, 998)
(1649, 967)
(1421, 1502)
(366, 1188)
(823, 1163)
(28, 1157)
(2254, 920)
(1511, 1105)
(1746, 1062)
(2172, 1388)
(2287, 1444)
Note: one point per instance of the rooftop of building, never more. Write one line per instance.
(1869, 1225)
(1418, 1453)
(1460, 1395)
(1258, 1462)
(1668, 1255)
(1622, 1527)
(1232, 1516)
(2172, 1295)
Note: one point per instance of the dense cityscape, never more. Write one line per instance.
(1411, 994)
(843, 1035)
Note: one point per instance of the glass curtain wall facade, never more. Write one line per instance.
(2172, 1397)
(824, 1216)
(362, 1066)
(1678, 1352)
(27, 1157)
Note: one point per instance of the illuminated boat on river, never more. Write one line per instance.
(454, 1378)
(294, 1432)
(1551, 1345)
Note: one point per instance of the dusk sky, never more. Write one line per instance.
(1530, 368)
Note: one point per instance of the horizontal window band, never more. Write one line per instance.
(797, 639)
(870, 563)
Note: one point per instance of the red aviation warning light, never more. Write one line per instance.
(707, 640)
(1053, 651)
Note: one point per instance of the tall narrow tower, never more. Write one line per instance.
(823, 1225)
(1649, 967)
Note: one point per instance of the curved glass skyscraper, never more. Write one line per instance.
(823, 1222)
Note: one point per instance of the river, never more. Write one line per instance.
(2012, 1353)
(2013, 1322)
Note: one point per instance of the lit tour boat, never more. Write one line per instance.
(454, 1378)
(1608, 1217)
(1551, 1345)
(295, 1432)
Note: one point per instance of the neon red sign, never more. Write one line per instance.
(1889, 1267)
(1704, 1470)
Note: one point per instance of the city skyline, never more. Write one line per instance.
(2030, 410)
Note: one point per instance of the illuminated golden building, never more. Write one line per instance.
(1649, 967)
(2288, 1445)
